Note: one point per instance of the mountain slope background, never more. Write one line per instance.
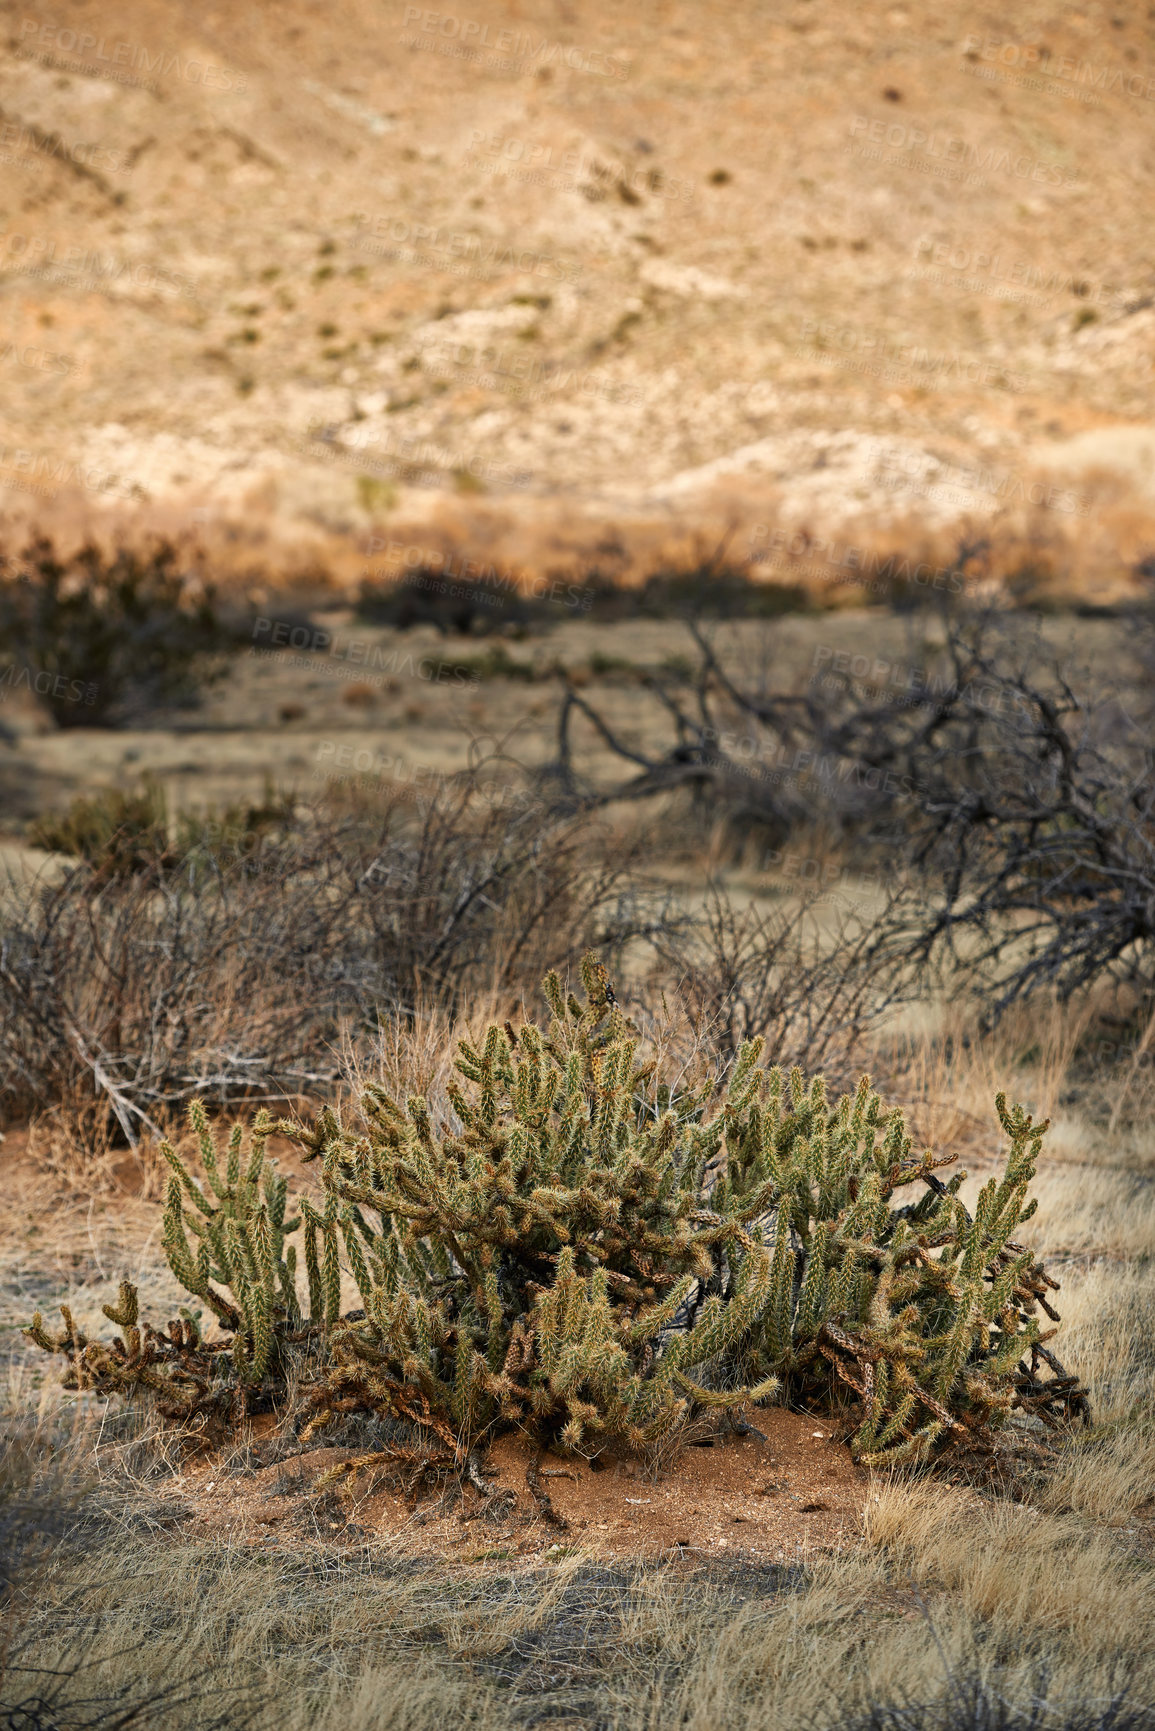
(554, 283)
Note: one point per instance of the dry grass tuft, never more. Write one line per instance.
(1013, 1566)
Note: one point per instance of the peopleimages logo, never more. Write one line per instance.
(534, 163)
(1032, 58)
(36, 471)
(430, 569)
(45, 684)
(272, 636)
(881, 355)
(30, 142)
(40, 255)
(860, 563)
(47, 39)
(944, 148)
(40, 360)
(453, 245)
(474, 36)
(993, 268)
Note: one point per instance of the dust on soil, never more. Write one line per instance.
(788, 1493)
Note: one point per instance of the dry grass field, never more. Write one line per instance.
(224, 1591)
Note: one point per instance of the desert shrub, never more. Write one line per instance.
(102, 637)
(1033, 823)
(776, 975)
(233, 965)
(705, 588)
(498, 663)
(123, 832)
(119, 831)
(716, 590)
(595, 1259)
(1013, 790)
(462, 606)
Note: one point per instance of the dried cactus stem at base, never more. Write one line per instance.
(541, 1496)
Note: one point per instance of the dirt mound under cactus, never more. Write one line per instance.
(777, 1498)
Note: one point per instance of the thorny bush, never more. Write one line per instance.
(588, 1256)
(234, 965)
(101, 637)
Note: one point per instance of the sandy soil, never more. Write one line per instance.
(790, 1493)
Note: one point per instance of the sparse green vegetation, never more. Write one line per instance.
(123, 832)
(593, 1257)
(101, 637)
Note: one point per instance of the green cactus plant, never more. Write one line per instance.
(240, 1227)
(530, 1266)
(921, 1310)
(590, 1257)
(241, 1231)
(592, 1260)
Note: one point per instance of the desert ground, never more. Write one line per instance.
(676, 487)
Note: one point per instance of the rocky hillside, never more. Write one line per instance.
(330, 283)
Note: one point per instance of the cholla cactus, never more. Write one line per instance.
(923, 1311)
(241, 1228)
(529, 1266)
(176, 1368)
(593, 1259)
(241, 1242)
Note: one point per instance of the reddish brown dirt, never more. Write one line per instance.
(795, 1492)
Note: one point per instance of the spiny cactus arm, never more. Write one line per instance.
(194, 1272)
(262, 1129)
(720, 1326)
(893, 1152)
(189, 1184)
(1018, 1124)
(1005, 1284)
(1010, 1213)
(728, 1397)
(313, 1226)
(554, 997)
(744, 1080)
(812, 1305)
(287, 1281)
(778, 1319)
(241, 1264)
(191, 1320)
(261, 1237)
(948, 1353)
(330, 1267)
(916, 1448)
(233, 1165)
(242, 1355)
(260, 1327)
(357, 1263)
(37, 1333)
(275, 1192)
(199, 1123)
(126, 1313)
(648, 1322)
